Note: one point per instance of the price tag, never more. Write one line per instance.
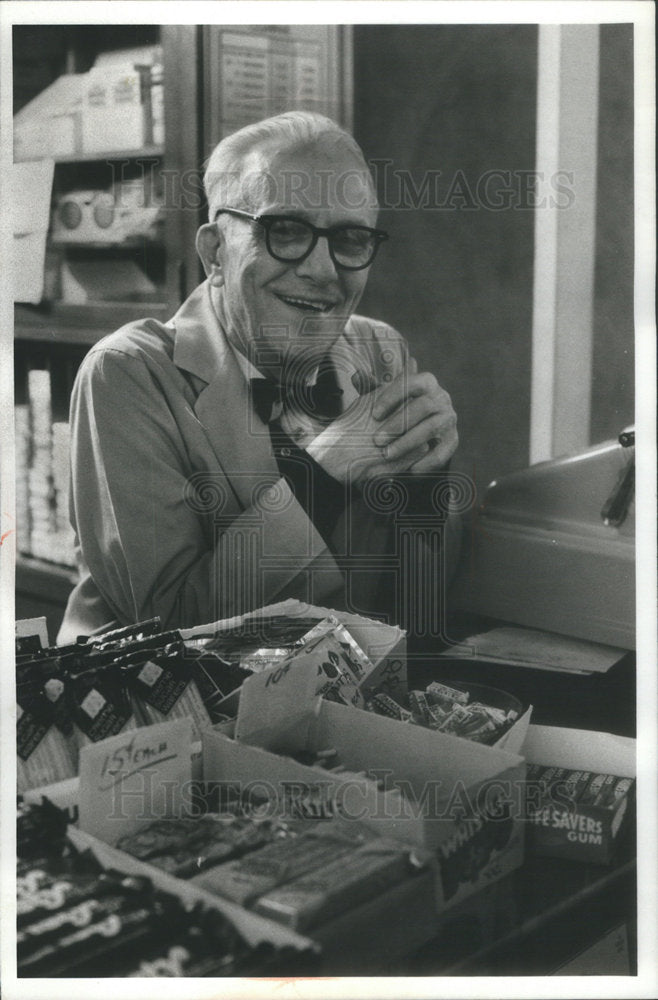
(134, 778)
(278, 701)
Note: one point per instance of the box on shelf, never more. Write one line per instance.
(114, 114)
(568, 828)
(51, 124)
(461, 800)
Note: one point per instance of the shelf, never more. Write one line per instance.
(44, 580)
(107, 156)
(135, 243)
(84, 324)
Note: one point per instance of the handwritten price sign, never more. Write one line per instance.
(278, 699)
(133, 778)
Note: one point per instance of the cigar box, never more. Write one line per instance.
(587, 826)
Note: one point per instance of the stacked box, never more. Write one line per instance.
(22, 458)
(42, 476)
(460, 800)
(113, 108)
(41, 493)
(63, 539)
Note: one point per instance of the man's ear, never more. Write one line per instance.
(208, 245)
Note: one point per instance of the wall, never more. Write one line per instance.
(613, 357)
(456, 279)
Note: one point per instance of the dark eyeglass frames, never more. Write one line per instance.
(291, 240)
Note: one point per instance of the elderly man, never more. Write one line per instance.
(241, 453)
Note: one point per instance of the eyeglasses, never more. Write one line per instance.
(291, 240)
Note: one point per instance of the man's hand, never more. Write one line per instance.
(417, 424)
(407, 425)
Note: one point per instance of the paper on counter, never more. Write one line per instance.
(31, 191)
(538, 650)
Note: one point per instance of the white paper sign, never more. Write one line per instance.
(134, 778)
(277, 699)
(31, 192)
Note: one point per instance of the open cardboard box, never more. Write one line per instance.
(460, 800)
(583, 832)
(251, 926)
(125, 782)
(367, 932)
(384, 645)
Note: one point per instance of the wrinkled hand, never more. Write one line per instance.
(408, 425)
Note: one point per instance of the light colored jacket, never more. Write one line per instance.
(176, 499)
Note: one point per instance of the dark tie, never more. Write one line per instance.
(322, 400)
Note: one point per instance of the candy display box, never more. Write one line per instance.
(384, 645)
(572, 829)
(460, 800)
(253, 927)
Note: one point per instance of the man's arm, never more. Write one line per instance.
(148, 550)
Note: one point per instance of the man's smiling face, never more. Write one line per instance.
(286, 315)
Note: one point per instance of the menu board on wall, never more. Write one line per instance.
(264, 76)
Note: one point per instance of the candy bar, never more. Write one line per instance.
(575, 782)
(455, 717)
(497, 715)
(255, 874)
(84, 913)
(420, 708)
(383, 704)
(351, 880)
(262, 659)
(441, 694)
(607, 788)
(621, 789)
(99, 703)
(160, 837)
(165, 689)
(87, 943)
(44, 749)
(591, 792)
(483, 734)
(184, 847)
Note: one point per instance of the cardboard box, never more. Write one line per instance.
(460, 800)
(575, 830)
(253, 927)
(113, 109)
(512, 740)
(384, 645)
(50, 124)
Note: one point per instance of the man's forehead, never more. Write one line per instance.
(306, 178)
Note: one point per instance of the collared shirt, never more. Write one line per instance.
(177, 500)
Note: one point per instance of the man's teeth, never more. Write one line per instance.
(306, 304)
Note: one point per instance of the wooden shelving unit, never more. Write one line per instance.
(206, 95)
(44, 579)
(56, 334)
(84, 324)
(145, 153)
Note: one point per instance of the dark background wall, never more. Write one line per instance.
(613, 359)
(457, 280)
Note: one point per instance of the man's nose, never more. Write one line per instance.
(318, 265)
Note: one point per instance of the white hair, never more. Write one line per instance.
(224, 179)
